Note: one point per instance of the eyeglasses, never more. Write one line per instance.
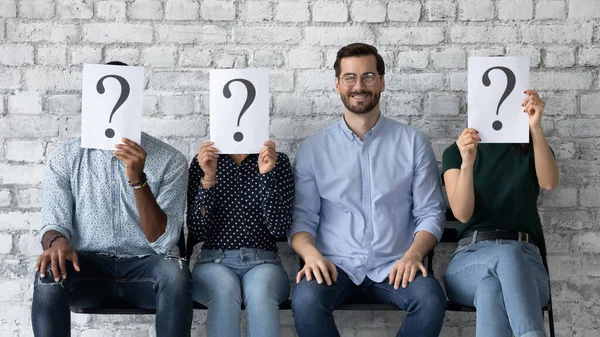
(367, 79)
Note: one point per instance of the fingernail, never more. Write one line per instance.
(42, 275)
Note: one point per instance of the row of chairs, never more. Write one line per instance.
(449, 236)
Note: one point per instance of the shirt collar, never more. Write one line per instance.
(374, 131)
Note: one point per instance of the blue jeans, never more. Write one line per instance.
(507, 283)
(423, 300)
(223, 278)
(153, 282)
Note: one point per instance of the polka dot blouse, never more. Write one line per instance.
(244, 208)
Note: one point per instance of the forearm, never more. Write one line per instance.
(546, 168)
(153, 219)
(303, 244)
(462, 200)
(422, 245)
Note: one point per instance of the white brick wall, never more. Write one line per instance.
(425, 43)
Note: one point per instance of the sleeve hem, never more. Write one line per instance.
(57, 228)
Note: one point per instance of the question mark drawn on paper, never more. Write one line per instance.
(238, 136)
(510, 85)
(122, 98)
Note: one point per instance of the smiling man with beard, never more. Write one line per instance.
(368, 208)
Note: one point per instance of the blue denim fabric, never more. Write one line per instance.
(158, 282)
(223, 280)
(507, 283)
(423, 300)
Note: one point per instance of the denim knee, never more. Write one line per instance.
(216, 282)
(306, 298)
(429, 295)
(173, 273)
(488, 290)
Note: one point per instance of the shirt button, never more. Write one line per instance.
(365, 174)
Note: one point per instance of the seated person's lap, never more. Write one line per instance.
(104, 279)
(344, 291)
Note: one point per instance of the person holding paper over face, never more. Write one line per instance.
(493, 190)
(110, 220)
(368, 209)
(238, 204)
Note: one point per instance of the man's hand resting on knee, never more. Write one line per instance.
(320, 267)
(58, 252)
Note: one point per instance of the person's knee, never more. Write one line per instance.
(429, 295)
(489, 289)
(260, 295)
(46, 292)
(217, 282)
(266, 284)
(173, 273)
(306, 297)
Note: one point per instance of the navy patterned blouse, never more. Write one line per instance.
(244, 208)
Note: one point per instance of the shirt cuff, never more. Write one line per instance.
(57, 228)
(300, 228)
(267, 181)
(432, 225)
(204, 195)
(166, 242)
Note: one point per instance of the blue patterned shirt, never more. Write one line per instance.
(87, 198)
(363, 201)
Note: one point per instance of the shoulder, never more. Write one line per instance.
(316, 141)
(162, 151)
(405, 132)
(68, 149)
(452, 149)
(332, 130)
(283, 158)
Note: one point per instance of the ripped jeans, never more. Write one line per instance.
(223, 280)
(153, 282)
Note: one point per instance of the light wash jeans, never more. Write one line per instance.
(507, 283)
(223, 278)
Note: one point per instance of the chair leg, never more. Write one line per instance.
(551, 321)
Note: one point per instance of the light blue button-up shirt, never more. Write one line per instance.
(364, 201)
(88, 199)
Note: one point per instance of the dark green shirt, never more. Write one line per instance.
(506, 189)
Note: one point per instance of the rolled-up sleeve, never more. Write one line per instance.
(307, 201)
(57, 202)
(429, 207)
(200, 225)
(171, 197)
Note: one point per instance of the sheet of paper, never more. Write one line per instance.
(111, 105)
(496, 88)
(239, 110)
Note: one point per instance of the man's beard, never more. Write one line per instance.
(363, 108)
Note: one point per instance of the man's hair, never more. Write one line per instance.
(358, 49)
(116, 63)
